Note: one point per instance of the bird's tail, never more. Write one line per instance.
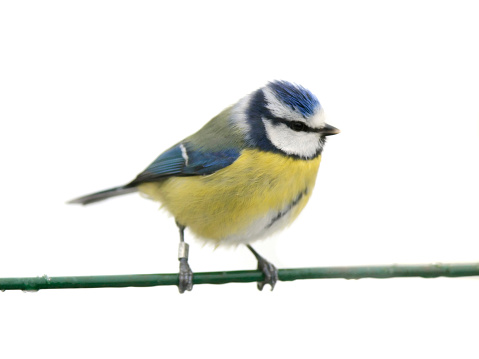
(100, 196)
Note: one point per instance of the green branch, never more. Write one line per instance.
(151, 280)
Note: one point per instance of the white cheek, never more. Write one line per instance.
(304, 144)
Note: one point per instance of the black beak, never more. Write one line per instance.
(329, 130)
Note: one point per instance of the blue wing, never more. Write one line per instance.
(182, 160)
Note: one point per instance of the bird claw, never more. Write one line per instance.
(270, 274)
(185, 276)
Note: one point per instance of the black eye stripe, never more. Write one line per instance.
(295, 125)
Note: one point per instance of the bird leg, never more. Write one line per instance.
(269, 270)
(186, 274)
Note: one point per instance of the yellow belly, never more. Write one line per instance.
(227, 203)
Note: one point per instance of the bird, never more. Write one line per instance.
(246, 174)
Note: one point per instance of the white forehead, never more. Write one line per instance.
(279, 109)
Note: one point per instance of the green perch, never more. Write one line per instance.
(151, 280)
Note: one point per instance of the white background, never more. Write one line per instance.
(92, 91)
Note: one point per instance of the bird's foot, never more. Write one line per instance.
(185, 276)
(269, 270)
(270, 273)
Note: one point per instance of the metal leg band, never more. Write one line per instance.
(183, 249)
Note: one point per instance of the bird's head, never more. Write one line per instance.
(283, 117)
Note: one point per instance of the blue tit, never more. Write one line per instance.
(246, 174)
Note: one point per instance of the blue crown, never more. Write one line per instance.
(296, 97)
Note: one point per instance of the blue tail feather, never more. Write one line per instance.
(100, 196)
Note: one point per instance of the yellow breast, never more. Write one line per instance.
(233, 203)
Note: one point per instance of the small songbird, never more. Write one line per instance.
(246, 174)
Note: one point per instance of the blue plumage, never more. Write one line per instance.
(277, 133)
(205, 163)
(182, 160)
(257, 133)
(296, 97)
(168, 163)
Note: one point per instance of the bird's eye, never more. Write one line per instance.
(297, 126)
